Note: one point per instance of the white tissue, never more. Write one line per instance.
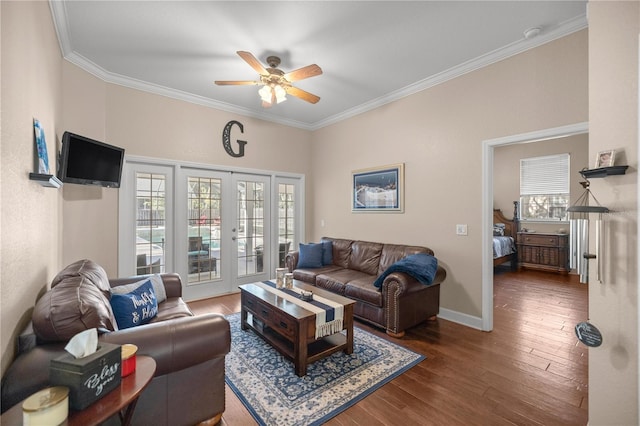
(83, 344)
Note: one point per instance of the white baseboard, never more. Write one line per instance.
(460, 318)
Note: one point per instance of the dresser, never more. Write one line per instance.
(547, 252)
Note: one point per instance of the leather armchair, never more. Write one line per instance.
(188, 386)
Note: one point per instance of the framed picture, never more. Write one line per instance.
(378, 189)
(41, 147)
(605, 158)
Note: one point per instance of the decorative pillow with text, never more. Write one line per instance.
(135, 308)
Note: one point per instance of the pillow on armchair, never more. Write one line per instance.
(78, 300)
(135, 308)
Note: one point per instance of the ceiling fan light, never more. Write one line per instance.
(265, 94)
(281, 95)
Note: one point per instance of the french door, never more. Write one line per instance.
(225, 224)
(217, 229)
(251, 229)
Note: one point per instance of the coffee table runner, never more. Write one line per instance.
(329, 314)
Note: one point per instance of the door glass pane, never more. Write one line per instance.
(150, 223)
(203, 253)
(250, 227)
(286, 220)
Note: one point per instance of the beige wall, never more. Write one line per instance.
(155, 126)
(30, 240)
(506, 173)
(614, 28)
(438, 134)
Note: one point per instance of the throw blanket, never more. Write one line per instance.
(329, 314)
(421, 266)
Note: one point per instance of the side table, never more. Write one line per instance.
(118, 400)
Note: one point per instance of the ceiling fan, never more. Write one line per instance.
(277, 83)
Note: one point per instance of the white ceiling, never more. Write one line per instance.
(371, 53)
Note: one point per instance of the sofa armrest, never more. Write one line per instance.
(172, 283)
(408, 301)
(405, 284)
(291, 260)
(179, 343)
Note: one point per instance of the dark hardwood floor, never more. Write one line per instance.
(530, 370)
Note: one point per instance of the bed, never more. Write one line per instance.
(505, 232)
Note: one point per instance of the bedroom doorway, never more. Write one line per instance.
(488, 148)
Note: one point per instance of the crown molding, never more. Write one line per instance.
(157, 89)
(548, 35)
(60, 22)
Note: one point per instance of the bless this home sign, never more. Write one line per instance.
(226, 139)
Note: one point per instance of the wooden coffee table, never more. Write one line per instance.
(290, 328)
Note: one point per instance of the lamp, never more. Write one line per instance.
(265, 94)
(272, 93)
(579, 233)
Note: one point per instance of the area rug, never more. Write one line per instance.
(266, 384)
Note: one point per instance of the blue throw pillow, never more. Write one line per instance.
(327, 253)
(310, 256)
(135, 308)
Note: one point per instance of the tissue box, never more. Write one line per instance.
(89, 378)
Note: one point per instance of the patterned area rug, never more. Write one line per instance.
(267, 385)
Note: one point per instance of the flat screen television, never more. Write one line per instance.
(89, 162)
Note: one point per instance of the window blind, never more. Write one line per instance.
(544, 175)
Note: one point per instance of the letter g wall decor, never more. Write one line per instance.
(226, 139)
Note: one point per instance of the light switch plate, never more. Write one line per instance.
(461, 229)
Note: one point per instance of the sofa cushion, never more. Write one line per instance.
(156, 281)
(87, 269)
(135, 308)
(336, 280)
(173, 307)
(310, 256)
(391, 253)
(77, 301)
(341, 251)
(327, 252)
(365, 257)
(309, 275)
(363, 289)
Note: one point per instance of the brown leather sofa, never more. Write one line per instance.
(188, 386)
(400, 303)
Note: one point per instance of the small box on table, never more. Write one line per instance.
(89, 378)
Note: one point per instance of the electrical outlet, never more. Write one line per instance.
(461, 229)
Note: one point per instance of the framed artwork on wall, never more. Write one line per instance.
(378, 189)
(605, 158)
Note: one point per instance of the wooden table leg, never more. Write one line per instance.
(300, 350)
(348, 324)
(128, 413)
(243, 319)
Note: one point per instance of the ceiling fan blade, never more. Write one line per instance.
(236, 83)
(299, 93)
(304, 72)
(251, 60)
